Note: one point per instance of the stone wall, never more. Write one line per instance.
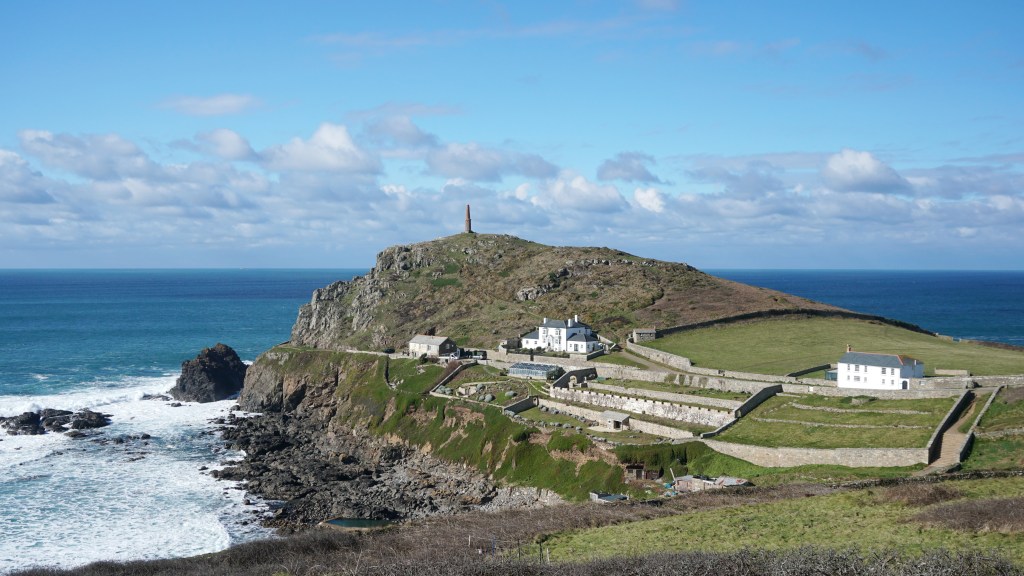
(852, 457)
(670, 396)
(885, 394)
(634, 424)
(660, 409)
(756, 400)
(603, 369)
(968, 443)
(935, 443)
(677, 362)
(580, 374)
(718, 383)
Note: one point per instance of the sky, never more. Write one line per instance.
(313, 134)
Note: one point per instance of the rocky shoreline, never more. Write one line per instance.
(320, 473)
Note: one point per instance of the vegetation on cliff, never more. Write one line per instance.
(480, 288)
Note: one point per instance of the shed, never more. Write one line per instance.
(615, 420)
(644, 334)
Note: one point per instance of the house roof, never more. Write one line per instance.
(872, 359)
(580, 337)
(609, 415)
(645, 330)
(428, 340)
(552, 323)
(532, 336)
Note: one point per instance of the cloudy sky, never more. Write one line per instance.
(873, 134)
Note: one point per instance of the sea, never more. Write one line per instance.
(104, 339)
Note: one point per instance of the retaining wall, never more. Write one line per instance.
(935, 442)
(634, 424)
(670, 396)
(673, 360)
(520, 406)
(968, 443)
(886, 394)
(684, 413)
(852, 457)
(756, 400)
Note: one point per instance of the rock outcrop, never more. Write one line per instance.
(51, 420)
(215, 374)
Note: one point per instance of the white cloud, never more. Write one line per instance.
(570, 191)
(330, 149)
(856, 170)
(100, 156)
(475, 162)
(630, 166)
(219, 105)
(19, 183)
(650, 199)
(226, 144)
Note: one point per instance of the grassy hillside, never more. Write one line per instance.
(465, 432)
(979, 515)
(480, 288)
(784, 345)
(999, 444)
(839, 422)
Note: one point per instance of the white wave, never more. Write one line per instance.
(67, 502)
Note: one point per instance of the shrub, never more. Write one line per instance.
(991, 515)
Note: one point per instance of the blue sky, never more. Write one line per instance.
(314, 134)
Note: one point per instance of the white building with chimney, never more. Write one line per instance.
(570, 336)
(877, 371)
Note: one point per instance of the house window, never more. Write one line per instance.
(856, 378)
(856, 368)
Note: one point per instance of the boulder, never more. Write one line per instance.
(215, 374)
(27, 423)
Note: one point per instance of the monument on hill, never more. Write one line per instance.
(469, 221)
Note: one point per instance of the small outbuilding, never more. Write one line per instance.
(615, 420)
(432, 346)
(644, 335)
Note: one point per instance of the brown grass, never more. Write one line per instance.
(918, 494)
(1005, 515)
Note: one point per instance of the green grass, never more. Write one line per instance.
(677, 389)
(1007, 452)
(864, 519)
(1006, 412)
(813, 431)
(415, 377)
(619, 360)
(442, 282)
(783, 345)
(536, 415)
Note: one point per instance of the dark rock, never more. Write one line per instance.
(87, 419)
(28, 424)
(215, 374)
(74, 434)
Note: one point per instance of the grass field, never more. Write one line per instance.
(619, 360)
(838, 423)
(677, 389)
(867, 519)
(784, 345)
(1003, 449)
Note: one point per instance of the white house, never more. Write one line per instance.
(877, 371)
(432, 345)
(570, 336)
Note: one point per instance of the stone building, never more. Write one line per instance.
(432, 346)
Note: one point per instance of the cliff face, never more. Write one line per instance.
(311, 446)
(480, 288)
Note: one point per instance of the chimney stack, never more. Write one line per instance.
(849, 347)
(469, 222)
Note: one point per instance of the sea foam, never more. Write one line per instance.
(67, 502)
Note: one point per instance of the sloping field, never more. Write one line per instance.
(784, 345)
(808, 421)
(999, 444)
(913, 518)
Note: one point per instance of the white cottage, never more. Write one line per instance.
(570, 336)
(877, 371)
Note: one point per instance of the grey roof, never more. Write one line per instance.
(580, 337)
(872, 359)
(532, 335)
(645, 330)
(610, 415)
(428, 340)
(578, 324)
(552, 323)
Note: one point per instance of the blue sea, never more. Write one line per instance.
(102, 339)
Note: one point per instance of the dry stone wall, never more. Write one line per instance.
(670, 396)
(634, 424)
(681, 412)
(852, 457)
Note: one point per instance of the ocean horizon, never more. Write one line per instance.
(105, 338)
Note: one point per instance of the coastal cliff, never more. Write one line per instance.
(340, 435)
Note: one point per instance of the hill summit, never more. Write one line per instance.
(481, 288)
